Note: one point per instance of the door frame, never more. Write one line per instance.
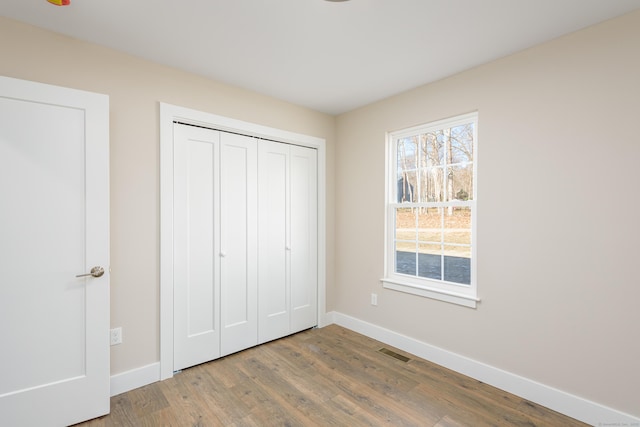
(172, 113)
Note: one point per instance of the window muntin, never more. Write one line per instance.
(431, 206)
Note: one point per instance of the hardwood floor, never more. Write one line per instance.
(323, 377)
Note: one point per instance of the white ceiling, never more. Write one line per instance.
(328, 56)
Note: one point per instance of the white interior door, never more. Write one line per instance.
(196, 231)
(238, 243)
(54, 225)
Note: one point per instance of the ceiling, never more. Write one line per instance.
(325, 55)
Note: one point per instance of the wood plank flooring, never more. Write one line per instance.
(323, 377)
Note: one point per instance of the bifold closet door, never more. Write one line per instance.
(245, 242)
(215, 244)
(196, 245)
(287, 239)
(304, 238)
(238, 244)
(273, 243)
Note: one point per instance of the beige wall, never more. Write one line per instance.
(557, 189)
(135, 87)
(558, 202)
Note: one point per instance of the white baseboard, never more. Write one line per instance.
(135, 378)
(573, 406)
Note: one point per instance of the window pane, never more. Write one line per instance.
(407, 154)
(406, 224)
(460, 251)
(432, 147)
(406, 261)
(405, 237)
(461, 181)
(430, 225)
(457, 264)
(432, 185)
(430, 261)
(462, 143)
(407, 187)
(407, 166)
(404, 246)
(457, 225)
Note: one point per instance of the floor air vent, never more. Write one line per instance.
(394, 354)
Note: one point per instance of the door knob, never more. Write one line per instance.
(96, 271)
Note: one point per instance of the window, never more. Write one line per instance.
(431, 210)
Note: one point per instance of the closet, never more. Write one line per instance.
(244, 242)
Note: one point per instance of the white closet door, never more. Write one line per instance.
(304, 238)
(238, 249)
(288, 254)
(196, 237)
(274, 260)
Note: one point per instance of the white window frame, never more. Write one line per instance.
(462, 294)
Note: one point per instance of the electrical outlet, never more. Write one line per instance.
(116, 336)
(374, 299)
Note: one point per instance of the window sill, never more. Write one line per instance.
(437, 294)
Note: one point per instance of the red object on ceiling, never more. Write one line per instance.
(60, 2)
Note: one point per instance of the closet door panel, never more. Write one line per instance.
(304, 238)
(273, 256)
(196, 290)
(238, 251)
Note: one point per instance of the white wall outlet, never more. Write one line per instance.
(116, 336)
(374, 299)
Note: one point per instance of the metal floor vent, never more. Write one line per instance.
(394, 354)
